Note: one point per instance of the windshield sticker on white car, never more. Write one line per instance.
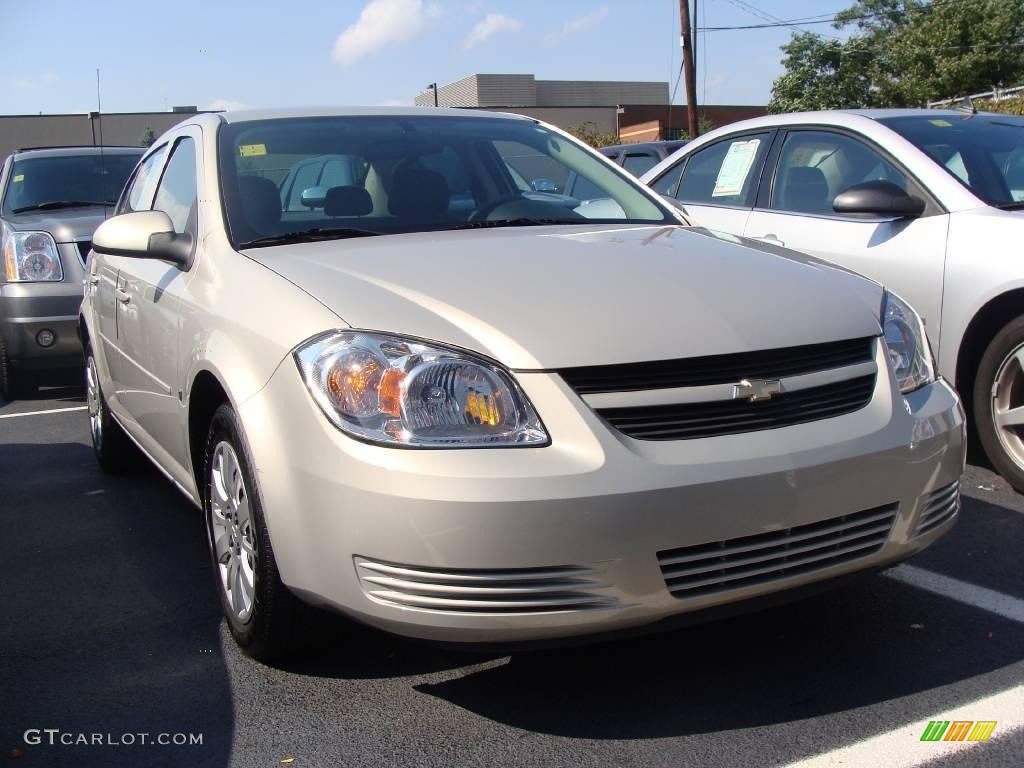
(19, 177)
(251, 150)
(735, 168)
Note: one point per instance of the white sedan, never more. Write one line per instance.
(929, 203)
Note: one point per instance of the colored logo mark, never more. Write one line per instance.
(958, 730)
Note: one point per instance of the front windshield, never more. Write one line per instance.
(395, 174)
(37, 182)
(984, 152)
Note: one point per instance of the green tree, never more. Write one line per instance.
(589, 134)
(903, 53)
(148, 137)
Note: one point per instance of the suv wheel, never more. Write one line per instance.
(264, 617)
(114, 451)
(999, 402)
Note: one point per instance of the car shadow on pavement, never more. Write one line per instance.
(113, 626)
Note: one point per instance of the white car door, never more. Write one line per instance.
(718, 181)
(794, 209)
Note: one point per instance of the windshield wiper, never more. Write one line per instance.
(50, 205)
(308, 236)
(1017, 206)
(519, 222)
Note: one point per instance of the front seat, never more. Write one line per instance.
(806, 191)
(260, 202)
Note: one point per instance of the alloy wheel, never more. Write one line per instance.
(231, 530)
(1008, 405)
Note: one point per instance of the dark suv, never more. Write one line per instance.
(51, 201)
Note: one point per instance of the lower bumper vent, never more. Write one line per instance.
(938, 508)
(765, 557)
(516, 590)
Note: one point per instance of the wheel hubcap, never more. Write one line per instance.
(1008, 405)
(92, 395)
(231, 527)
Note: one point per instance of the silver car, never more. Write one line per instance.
(930, 203)
(509, 421)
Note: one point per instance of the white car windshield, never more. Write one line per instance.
(984, 152)
(359, 175)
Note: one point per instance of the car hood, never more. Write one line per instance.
(65, 224)
(553, 297)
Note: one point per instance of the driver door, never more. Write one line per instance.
(795, 210)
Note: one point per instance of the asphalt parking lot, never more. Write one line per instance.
(112, 626)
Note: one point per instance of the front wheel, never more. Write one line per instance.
(999, 402)
(114, 451)
(264, 617)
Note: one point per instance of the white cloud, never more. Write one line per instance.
(382, 23)
(578, 24)
(226, 104)
(490, 25)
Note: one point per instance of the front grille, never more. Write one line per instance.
(687, 421)
(84, 246)
(937, 508)
(516, 590)
(766, 557)
(718, 369)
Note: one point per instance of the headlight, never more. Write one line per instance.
(909, 353)
(402, 392)
(31, 257)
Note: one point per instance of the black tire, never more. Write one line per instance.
(278, 623)
(114, 450)
(14, 384)
(1006, 341)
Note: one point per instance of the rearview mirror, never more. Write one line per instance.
(544, 185)
(881, 198)
(143, 235)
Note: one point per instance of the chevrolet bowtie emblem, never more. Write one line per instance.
(756, 390)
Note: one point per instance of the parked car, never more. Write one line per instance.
(928, 202)
(641, 157)
(51, 200)
(517, 422)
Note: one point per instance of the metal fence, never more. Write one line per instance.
(996, 94)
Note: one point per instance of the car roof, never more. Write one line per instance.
(672, 144)
(241, 116)
(87, 149)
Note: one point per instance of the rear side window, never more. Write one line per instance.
(139, 195)
(724, 173)
(176, 195)
(639, 163)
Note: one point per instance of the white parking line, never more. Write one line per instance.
(903, 748)
(970, 594)
(40, 413)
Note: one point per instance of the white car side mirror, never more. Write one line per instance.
(143, 235)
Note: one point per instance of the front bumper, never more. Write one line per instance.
(28, 308)
(508, 545)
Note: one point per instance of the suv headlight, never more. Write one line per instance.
(406, 393)
(31, 257)
(909, 352)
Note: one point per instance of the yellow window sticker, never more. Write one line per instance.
(735, 168)
(252, 150)
(19, 177)
(941, 123)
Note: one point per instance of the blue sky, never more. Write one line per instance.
(224, 54)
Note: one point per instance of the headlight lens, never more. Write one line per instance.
(31, 257)
(909, 353)
(402, 392)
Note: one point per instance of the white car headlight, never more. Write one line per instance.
(31, 257)
(406, 393)
(909, 353)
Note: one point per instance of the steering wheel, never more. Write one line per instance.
(484, 211)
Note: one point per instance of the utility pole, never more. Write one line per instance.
(689, 67)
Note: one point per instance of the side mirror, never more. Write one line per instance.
(314, 197)
(881, 198)
(544, 185)
(143, 235)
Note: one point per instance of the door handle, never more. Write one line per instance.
(769, 238)
(123, 296)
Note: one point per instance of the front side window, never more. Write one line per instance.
(724, 173)
(176, 194)
(412, 174)
(816, 166)
(40, 183)
(139, 195)
(984, 152)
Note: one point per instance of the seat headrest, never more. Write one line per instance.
(261, 202)
(347, 201)
(417, 193)
(807, 190)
